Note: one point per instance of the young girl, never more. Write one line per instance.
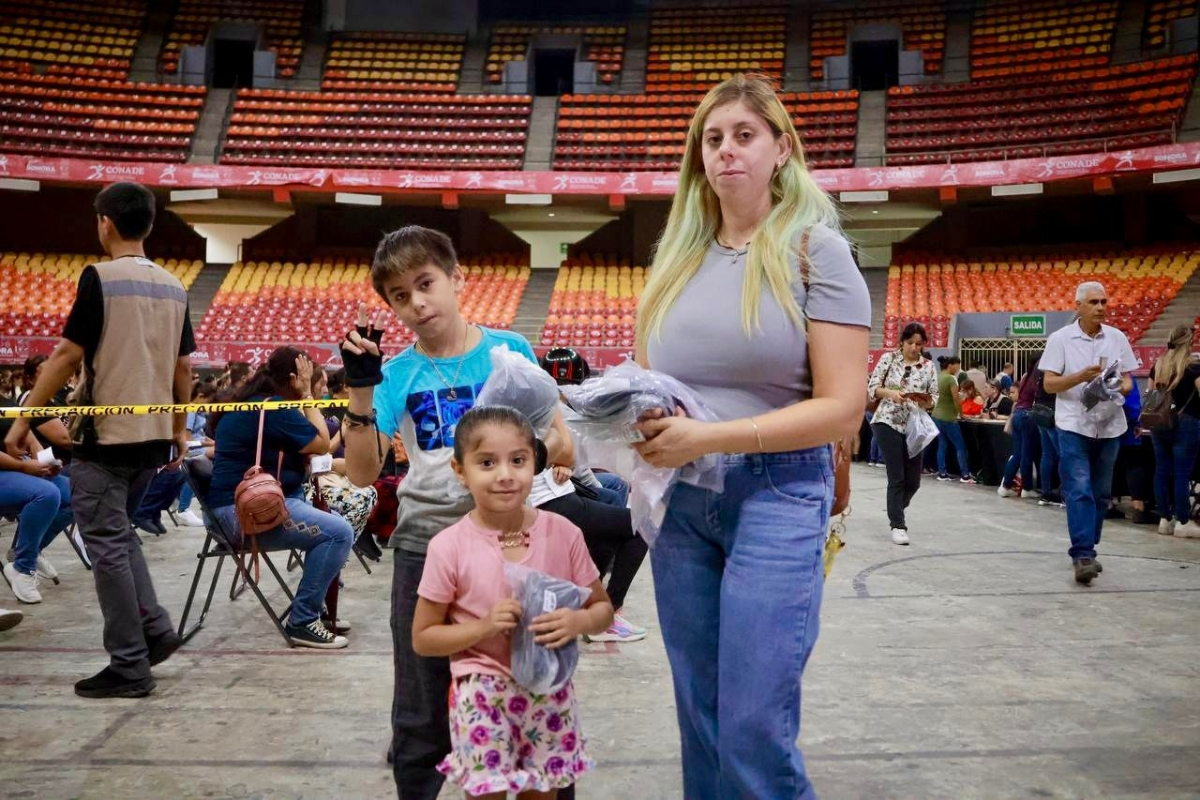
(505, 738)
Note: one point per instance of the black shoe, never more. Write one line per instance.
(315, 634)
(149, 525)
(163, 646)
(366, 545)
(1114, 513)
(1085, 570)
(1143, 517)
(107, 683)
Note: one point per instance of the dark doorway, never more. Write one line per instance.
(875, 65)
(553, 72)
(233, 63)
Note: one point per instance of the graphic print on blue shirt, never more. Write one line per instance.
(435, 416)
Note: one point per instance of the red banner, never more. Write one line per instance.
(990, 173)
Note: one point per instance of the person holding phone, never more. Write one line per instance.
(903, 381)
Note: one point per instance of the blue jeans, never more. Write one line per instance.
(1048, 466)
(738, 578)
(185, 496)
(1024, 444)
(950, 434)
(1087, 470)
(325, 542)
(43, 509)
(616, 490)
(1175, 453)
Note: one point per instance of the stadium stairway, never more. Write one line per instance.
(210, 126)
(535, 303)
(877, 287)
(796, 76)
(637, 40)
(1127, 43)
(870, 145)
(539, 143)
(1189, 130)
(204, 289)
(470, 80)
(144, 64)
(1181, 311)
(312, 61)
(957, 65)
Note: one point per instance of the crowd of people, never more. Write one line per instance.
(754, 303)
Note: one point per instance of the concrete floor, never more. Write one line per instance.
(966, 665)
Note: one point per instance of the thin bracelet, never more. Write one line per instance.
(757, 434)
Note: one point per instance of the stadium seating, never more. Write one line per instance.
(393, 62)
(693, 46)
(37, 289)
(1014, 37)
(931, 289)
(316, 302)
(647, 132)
(280, 20)
(594, 302)
(1159, 16)
(72, 32)
(77, 111)
(369, 129)
(1053, 112)
(923, 24)
(604, 45)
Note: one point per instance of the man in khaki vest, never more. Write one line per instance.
(129, 327)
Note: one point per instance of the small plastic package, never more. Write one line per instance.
(919, 432)
(538, 668)
(517, 382)
(1105, 387)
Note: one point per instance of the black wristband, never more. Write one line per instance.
(360, 420)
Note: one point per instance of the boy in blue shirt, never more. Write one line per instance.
(423, 392)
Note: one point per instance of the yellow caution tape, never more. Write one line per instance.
(116, 411)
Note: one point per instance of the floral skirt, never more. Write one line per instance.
(506, 739)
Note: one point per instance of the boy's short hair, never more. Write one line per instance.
(408, 248)
(130, 206)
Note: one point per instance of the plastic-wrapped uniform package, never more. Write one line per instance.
(606, 410)
(517, 382)
(1105, 387)
(538, 668)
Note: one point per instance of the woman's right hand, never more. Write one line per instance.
(35, 468)
(301, 381)
(503, 618)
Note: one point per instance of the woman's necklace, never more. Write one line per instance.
(452, 395)
(511, 539)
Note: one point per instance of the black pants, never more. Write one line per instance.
(903, 472)
(608, 532)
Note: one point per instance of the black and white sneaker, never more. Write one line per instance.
(315, 634)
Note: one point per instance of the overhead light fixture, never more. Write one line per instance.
(528, 199)
(181, 195)
(353, 199)
(874, 210)
(551, 214)
(20, 184)
(864, 197)
(1016, 189)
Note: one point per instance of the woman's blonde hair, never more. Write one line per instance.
(1171, 364)
(797, 203)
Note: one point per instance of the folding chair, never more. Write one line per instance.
(197, 471)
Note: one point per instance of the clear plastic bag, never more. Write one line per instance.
(517, 382)
(1104, 388)
(537, 668)
(919, 431)
(604, 414)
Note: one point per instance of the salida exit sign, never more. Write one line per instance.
(1027, 324)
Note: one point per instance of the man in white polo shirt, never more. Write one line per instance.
(1088, 439)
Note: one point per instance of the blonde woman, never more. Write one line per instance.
(778, 351)
(1175, 449)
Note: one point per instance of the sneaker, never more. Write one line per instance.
(1099, 566)
(899, 536)
(315, 634)
(617, 633)
(1166, 526)
(75, 539)
(944, 477)
(163, 646)
(45, 569)
(1085, 570)
(1188, 530)
(967, 479)
(25, 587)
(1030, 494)
(107, 683)
(1051, 500)
(336, 626)
(1142, 517)
(1005, 492)
(619, 617)
(189, 519)
(10, 619)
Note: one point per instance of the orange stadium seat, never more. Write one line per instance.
(1159, 16)
(594, 301)
(73, 33)
(1018, 37)
(281, 20)
(394, 62)
(923, 25)
(604, 45)
(692, 47)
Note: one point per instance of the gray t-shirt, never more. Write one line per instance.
(704, 345)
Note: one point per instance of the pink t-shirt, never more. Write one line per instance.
(464, 568)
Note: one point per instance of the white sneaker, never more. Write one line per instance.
(189, 519)
(1188, 530)
(45, 569)
(25, 587)
(1166, 526)
(1003, 492)
(1031, 494)
(10, 619)
(899, 536)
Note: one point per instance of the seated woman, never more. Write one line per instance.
(289, 437)
(972, 405)
(999, 403)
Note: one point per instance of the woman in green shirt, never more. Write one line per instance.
(945, 416)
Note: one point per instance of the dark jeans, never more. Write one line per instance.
(1024, 448)
(903, 472)
(420, 710)
(1087, 470)
(1048, 466)
(162, 492)
(103, 499)
(1175, 453)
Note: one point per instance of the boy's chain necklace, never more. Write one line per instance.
(452, 395)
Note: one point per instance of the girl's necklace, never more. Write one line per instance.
(511, 539)
(452, 395)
